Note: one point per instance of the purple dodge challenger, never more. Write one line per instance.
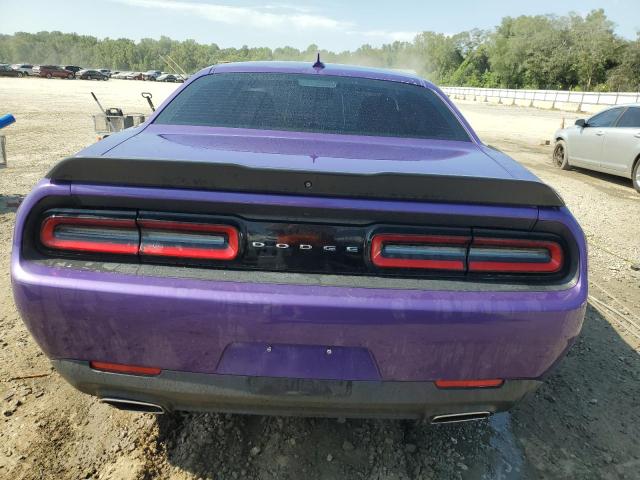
(294, 239)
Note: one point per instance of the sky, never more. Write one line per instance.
(331, 24)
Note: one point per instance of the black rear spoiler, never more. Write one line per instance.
(238, 178)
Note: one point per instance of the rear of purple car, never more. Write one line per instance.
(288, 239)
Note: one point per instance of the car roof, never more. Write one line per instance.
(611, 107)
(328, 69)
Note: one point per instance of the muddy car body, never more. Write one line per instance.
(332, 240)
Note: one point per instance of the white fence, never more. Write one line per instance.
(561, 99)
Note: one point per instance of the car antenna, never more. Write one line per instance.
(318, 63)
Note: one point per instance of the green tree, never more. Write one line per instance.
(541, 51)
(440, 55)
(626, 76)
(595, 47)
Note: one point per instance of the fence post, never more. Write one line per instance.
(3, 152)
(555, 97)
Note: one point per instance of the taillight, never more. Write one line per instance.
(99, 234)
(122, 368)
(477, 254)
(515, 255)
(431, 252)
(122, 233)
(188, 240)
(485, 383)
(142, 236)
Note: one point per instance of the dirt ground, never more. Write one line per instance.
(583, 423)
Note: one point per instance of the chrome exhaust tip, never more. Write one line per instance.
(133, 405)
(460, 417)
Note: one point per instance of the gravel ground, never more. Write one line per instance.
(583, 423)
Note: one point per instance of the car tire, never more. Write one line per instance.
(48, 75)
(71, 76)
(560, 156)
(635, 175)
(105, 78)
(19, 75)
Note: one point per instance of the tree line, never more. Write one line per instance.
(571, 52)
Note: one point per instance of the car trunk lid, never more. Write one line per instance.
(310, 164)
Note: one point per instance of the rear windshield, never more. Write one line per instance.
(313, 103)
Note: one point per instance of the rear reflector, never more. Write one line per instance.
(432, 252)
(121, 368)
(90, 234)
(489, 383)
(188, 240)
(515, 255)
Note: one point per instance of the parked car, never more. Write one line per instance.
(134, 76)
(151, 75)
(73, 68)
(376, 260)
(104, 71)
(54, 71)
(7, 71)
(169, 77)
(608, 142)
(92, 75)
(25, 68)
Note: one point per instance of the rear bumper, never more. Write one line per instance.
(174, 390)
(227, 327)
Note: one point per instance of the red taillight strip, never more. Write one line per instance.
(554, 264)
(378, 241)
(157, 249)
(121, 368)
(486, 383)
(49, 239)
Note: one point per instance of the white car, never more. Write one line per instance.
(608, 142)
(25, 68)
